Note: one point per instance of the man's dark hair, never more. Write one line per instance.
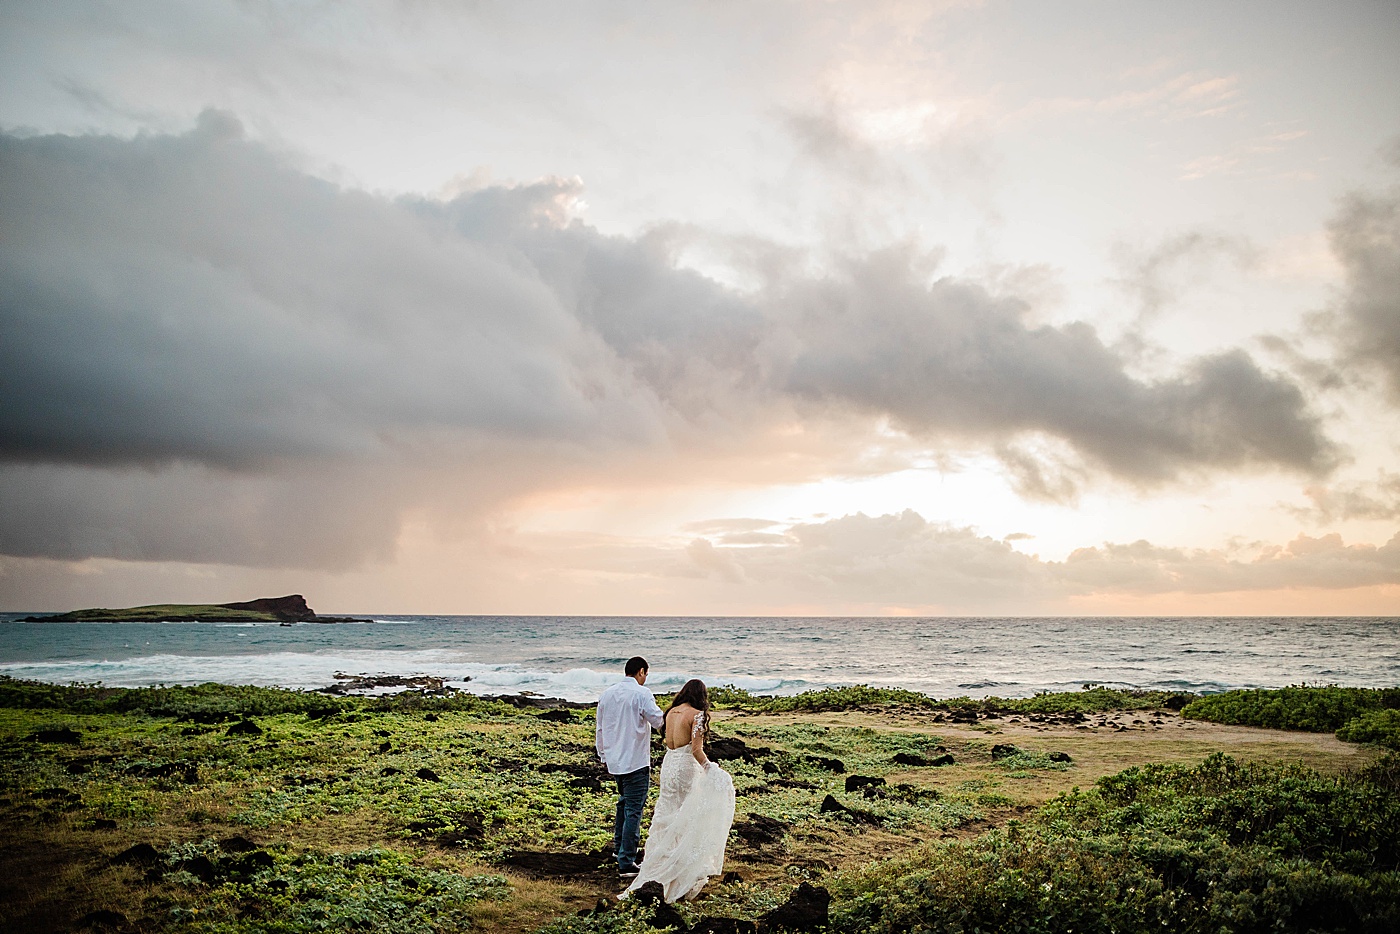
(635, 664)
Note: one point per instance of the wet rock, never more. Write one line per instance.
(427, 774)
(857, 782)
(244, 728)
(1004, 751)
(724, 926)
(822, 762)
(554, 864)
(759, 830)
(61, 735)
(142, 854)
(559, 716)
(804, 911)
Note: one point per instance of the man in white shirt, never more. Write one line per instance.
(626, 714)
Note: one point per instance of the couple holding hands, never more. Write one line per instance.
(690, 824)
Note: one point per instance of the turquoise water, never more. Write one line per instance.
(575, 657)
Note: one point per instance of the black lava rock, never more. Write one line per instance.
(857, 782)
(427, 774)
(724, 926)
(650, 893)
(244, 728)
(142, 854)
(830, 765)
(804, 911)
(61, 735)
(1004, 751)
(665, 917)
(1060, 757)
(559, 716)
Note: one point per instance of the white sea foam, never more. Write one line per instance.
(315, 670)
(577, 657)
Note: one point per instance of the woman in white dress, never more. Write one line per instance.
(690, 825)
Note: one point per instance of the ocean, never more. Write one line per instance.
(575, 657)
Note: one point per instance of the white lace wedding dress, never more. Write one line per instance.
(690, 826)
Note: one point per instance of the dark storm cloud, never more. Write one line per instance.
(1366, 238)
(196, 305)
(951, 357)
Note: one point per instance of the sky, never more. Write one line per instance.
(730, 308)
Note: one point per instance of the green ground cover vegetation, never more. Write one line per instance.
(273, 810)
(1354, 714)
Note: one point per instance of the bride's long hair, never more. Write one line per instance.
(693, 692)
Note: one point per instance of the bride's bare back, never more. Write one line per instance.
(680, 731)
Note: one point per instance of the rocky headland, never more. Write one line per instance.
(287, 610)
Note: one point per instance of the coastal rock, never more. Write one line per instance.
(104, 919)
(724, 926)
(666, 917)
(830, 805)
(142, 854)
(806, 910)
(61, 735)
(909, 758)
(554, 864)
(559, 716)
(822, 762)
(857, 782)
(759, 830)
(721, 748)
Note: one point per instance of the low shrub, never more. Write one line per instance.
(1376, 726)
(1313, 709)
(1223, 846)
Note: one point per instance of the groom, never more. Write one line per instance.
(626, 714)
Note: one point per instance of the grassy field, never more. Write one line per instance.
(242, 809)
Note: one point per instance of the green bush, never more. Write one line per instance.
(1313, 709)
(1223, 846)
(849, 698)
(1376, 726)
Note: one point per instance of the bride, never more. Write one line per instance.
(690, 826)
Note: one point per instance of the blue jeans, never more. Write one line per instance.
(627, 829)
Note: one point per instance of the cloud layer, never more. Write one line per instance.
(207, 354)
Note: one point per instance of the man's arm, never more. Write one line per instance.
(598, 737)
(651, 713)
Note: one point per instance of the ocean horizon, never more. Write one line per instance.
(575, 657)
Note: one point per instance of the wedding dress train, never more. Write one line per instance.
(690, 826)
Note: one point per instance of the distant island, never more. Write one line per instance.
(287, 610)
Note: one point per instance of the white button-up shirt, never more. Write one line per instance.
(626, 713)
